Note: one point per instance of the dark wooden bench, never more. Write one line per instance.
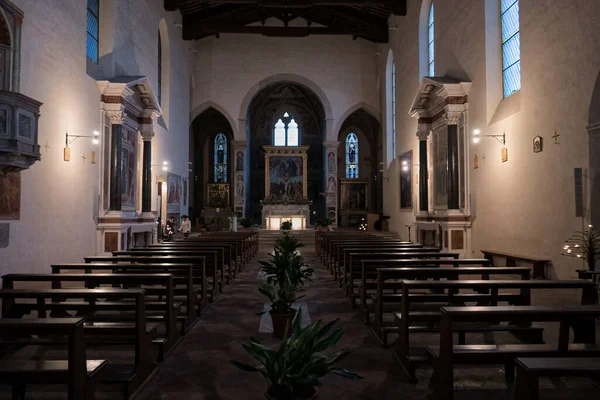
(100, 328)
(164, 312)
(352, 274)
(199, 263)
(330, 258)
(81, 375)
(579, 318)
(539, 263)
(184, 291)
(529, 370)
(247, 242)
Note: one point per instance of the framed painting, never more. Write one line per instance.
(128, 169)
(406, 180)
(353, 194)
(218, 195)
(10, 196)
(173, 193)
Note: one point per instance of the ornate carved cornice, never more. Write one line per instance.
(116, 117)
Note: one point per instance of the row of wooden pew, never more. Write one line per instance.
(405, 289)
(134, 305)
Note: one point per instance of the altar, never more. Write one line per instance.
(285, 187)
(274, 215)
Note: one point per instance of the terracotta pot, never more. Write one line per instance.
(312, 393)
(280, 320)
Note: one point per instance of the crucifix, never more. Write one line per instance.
(46, 146)
(555, 136)
(83, 157)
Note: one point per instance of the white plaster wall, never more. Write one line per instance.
(527, 204)
(59, 198)
(227, 68)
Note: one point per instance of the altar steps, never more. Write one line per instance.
(268, 238)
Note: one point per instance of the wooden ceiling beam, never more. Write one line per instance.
(192, 31)
(397, 7)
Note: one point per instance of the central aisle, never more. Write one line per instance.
(199, 366)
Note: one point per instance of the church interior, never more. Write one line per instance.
(299, 199)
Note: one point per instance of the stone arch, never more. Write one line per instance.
(211, 104)
(165, 90)
(285, 77)
(364, 106)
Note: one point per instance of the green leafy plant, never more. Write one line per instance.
(286, 226)
(585, 245)
(324, 222)
(280, 297)
(245, 222)
(288, 243)
(299, 363)
(285, 268)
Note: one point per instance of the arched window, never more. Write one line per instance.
(286, 131)
(394, 109)
(351, 156)
(220, 157)
(159, 93)
(430, 40)
(511, 46)
(93, 30)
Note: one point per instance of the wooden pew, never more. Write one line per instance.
(214, 263)
(241, 247)
(229, 253)
(529, 370)
(249, 241)
(579, 318)
(353, 274)
(330, 259)
(184, 290)
(199, 262)
(164, 312)
(81, 375)
(99, 329)
(539, 263)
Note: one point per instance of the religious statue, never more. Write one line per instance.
(331, 163)
(331, 185)
(239, 161)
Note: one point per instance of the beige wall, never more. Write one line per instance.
(229, 69)
(58, 200)
(527, 204)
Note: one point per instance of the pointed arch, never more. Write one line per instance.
(211, 104)
(364, 106)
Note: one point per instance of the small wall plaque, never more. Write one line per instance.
(504, 154)
(538, 144)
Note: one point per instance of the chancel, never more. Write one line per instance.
(182, 179)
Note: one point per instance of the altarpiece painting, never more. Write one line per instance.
(10, 196)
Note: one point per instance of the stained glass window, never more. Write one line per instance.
(159, 94)
(286, 131)
(92, 29)
(351, 156)
(511, 46)
(220, 157)
(430, 37)
(394, 109)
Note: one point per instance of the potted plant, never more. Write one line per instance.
(288, 243)
(281, 298)
(322, 224)
(286, 226)
(286, 268)
(585, 245)
(294, 370)
(245, 223)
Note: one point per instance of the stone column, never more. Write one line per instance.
(147, 131)
(422, 135)
(116, 150)
(594, 173)
(453, 170)
(331, 180)
(239, 167)
(16, 72)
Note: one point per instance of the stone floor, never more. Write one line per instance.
(199, 367)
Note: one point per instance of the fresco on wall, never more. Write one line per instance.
(285, 177)
(173, 193)
(10, 196)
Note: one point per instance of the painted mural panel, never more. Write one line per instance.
(128, 170)
(285, 177)
(441, 169)
(173, 193)
(10, 196)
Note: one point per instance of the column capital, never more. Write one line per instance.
(331, 143)
(147, 131)
(117, 117)
(423, 132)
(237, 144)
(453, 117)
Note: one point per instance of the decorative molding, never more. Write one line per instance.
(423, 131)
(147, 131)
(453, 117)
(116, 117)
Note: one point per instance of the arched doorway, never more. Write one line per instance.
(281, 108)
(210, 141)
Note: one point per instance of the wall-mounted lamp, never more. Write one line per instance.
(71, 138)
(164, 165)
(405, 166)
(477, 135)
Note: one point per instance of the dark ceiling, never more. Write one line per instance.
(364, 19)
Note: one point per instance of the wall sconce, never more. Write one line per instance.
(477, 135)
(71, 138)
(405, 166)
(165, 166)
